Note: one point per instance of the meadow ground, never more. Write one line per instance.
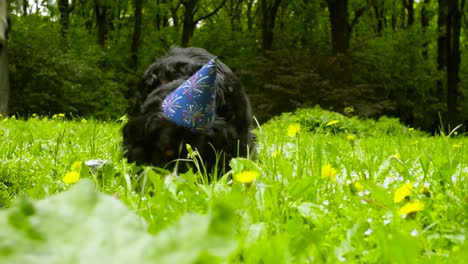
(324, 189)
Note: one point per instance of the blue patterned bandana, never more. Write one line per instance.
(193, 103)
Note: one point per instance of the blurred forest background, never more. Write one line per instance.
(401, 58)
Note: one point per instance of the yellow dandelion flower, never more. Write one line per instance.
(358, 186)
(403, 192)
(328, 172)
(61, 115)
(410, 129)
(411, 207)
(457, 146)
(333, 122)
(54, 116)
(84, 121)
(396, 156)
(275, 154)
(76, 166)
(246, 176)
(351, 137)
(294, 129)
(71, 177)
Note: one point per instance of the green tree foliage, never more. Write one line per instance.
(387, 58)
(48, 79)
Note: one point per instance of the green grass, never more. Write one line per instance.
(291, 213)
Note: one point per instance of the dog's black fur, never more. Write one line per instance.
(151, 138)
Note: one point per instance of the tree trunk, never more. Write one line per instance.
(25, 6)
(409, 6)
(441, 44)
(4, 83)
(160, 15)
(175, 18)
(63, 6)
(101, 22)
(425, 24)
(453, 59)
(188, 23)
(269, 11)
(341, 30)
(250, 12)
(234, 10)
(136, 33)
(379, 15)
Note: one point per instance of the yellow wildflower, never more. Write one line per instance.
(333, 122)
(71, 177)
(84, 121)
(61, 115)
(275, 154)
(76, 166)
(358, 186)
(328, 172)
(411, 207)
(351, 137)
(403, 192)
(54, 116)
(410, 129)
(457, 146)
(246, 176)
(396, 156)
(294, 129)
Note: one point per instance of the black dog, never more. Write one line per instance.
(151, 138)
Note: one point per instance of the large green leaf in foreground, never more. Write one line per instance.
(84, 226)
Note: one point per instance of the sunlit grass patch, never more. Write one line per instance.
(324, 188)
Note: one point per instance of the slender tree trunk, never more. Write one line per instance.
(234, 10)
(136, 33)
(159, 14)
(250, 20)
(175, 18)
(269, 11)
(101, 22)
(425, 24)
(188, 23)
(441, 44)
(453, 59)
(25, 6)
(379, 15)
(4, 82)
(409, 6)
(63, 6)
(341, 30)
